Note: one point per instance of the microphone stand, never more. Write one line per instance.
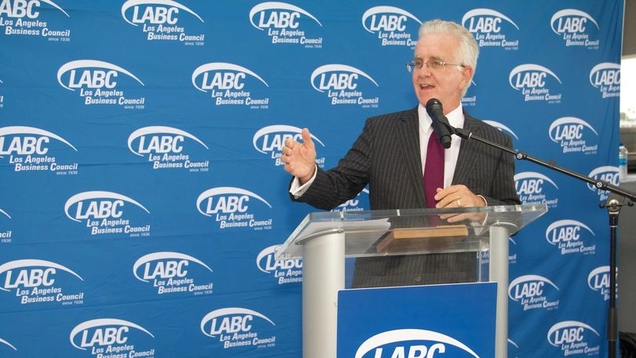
(613, 206)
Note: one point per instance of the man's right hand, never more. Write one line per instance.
(300, 158)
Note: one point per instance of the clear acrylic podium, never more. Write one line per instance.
(324, 239)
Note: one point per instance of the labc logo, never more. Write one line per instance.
(599, 280)
(532, 188)
(273, 137)
(160, 20)
(91, 74)
(235, 327)
(569, 133)
(98, 83)
(337, 77)
(22, 140)
(159, 140)
(568, 128)
(341, 83)
(22, 18)
(169, 273)
(28, 149)
(271, 140)
(565, 231)
(608, 74)
(604, 174)
(282, 22)
(531, 291)
(220, 76)
(26, 8)
(229, 206)
(278, 15)
(532, 80)
(31, 273)
(164, 265)
(570, 21)
(402, 343)
(531, 183)
(164, 147)
(390, 24)
(530, 76)
(574, 27)
(229, 200)
(485, 20)
(528, 286)
(230, 320)
(486, 25)
(386, 18)
(103, 332)
(226, 83)
(154, 12)
(98, 205)
(34, 282)
(606, 77)
(267, 263)
(572, 337)
(286, 271)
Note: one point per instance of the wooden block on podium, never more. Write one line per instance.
(423, 239)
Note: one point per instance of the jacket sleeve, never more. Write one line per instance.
(343, 182)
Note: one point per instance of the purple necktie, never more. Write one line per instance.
(433, 169)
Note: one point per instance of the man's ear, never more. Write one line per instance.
(467, 75)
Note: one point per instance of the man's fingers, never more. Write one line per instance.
(307, 139)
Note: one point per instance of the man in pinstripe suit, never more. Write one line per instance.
(390, 153)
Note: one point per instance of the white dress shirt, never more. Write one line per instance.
(456, 119)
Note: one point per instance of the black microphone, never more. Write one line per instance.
(440, 123)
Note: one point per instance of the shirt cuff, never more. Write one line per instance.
(297, 190)
(483, 198)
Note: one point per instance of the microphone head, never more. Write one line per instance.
(434, 104)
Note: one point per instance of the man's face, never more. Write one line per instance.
(446, 82)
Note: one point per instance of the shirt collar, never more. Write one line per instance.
(455, 117)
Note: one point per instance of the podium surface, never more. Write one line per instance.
(324, 239)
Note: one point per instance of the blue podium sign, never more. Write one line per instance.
(457, 320)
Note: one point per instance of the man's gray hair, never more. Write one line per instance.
(468, 49)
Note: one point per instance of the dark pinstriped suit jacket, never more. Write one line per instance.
(386, 156)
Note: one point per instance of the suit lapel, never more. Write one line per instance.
(467, 154)
(409, 136)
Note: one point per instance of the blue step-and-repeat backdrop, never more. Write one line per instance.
(141, 192)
